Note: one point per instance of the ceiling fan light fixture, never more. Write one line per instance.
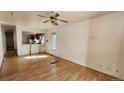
(57, 14)
(53, 18)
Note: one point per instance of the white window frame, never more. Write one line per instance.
(54, 43)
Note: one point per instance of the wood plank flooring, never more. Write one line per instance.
(38, 68)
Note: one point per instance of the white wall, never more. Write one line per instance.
(97, 43)
(106, 44)
(15, 40)
(23, 49)
(72, 42)
(3, 39)
(1, 47)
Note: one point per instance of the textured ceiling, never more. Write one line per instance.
(31, 19)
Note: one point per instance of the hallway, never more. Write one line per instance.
(38, 67)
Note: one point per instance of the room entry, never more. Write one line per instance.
(9, 40)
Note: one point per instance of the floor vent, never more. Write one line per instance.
(54, 62)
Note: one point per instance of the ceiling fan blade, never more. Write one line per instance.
(63, 20)
(42, 16)
(46, 21)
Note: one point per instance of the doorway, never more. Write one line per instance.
(9, 40)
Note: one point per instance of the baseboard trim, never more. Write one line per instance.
(118, 79)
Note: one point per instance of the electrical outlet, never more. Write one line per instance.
(116, 70)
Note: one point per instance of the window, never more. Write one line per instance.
(54, 41)
(43, 40)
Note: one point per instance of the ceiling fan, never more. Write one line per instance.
(53, 18)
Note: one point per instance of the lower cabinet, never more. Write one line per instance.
(28, 49)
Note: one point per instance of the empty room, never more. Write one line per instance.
(61, 46)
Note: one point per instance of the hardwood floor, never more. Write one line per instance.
(39, 67)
